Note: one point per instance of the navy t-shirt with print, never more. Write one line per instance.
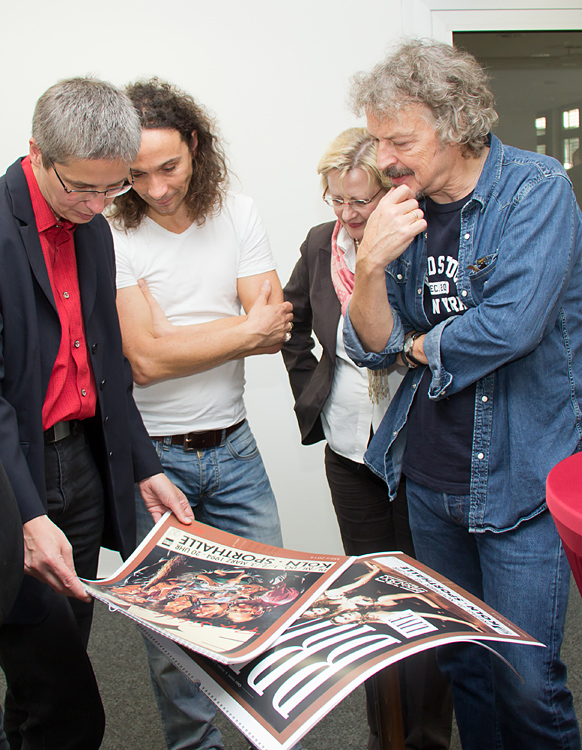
(440, 433)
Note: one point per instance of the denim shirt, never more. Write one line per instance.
(520, 340)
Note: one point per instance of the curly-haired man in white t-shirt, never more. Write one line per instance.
(190, 257)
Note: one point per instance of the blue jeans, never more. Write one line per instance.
(524, 575)
(227, 487)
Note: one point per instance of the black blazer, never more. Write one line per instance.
(29, 341)
(11, 547)
(316, 309)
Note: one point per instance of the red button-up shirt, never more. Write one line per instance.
(71, 392)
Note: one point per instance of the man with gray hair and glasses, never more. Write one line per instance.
(71, 438)
(470, 272)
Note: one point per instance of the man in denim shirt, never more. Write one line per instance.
(470, 271)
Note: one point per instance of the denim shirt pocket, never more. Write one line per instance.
(479, 273)
(399, 270)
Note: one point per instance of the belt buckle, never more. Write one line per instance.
(61, 430)
(187, 444)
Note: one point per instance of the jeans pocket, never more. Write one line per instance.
(242, 444)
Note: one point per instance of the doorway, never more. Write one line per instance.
(536, 77)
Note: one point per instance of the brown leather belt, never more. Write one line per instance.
(194, 441)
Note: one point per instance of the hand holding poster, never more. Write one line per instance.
(219, 594)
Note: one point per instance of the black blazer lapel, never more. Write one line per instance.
(325, 303)
(24, 214)
(33, 249)
(86, 240)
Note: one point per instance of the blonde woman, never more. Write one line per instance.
(342, 404)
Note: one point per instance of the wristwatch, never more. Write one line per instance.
(407, 355)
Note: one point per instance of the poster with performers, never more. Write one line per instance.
(379, 610)
(221, 595)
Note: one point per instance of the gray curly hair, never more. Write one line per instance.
(448, 81)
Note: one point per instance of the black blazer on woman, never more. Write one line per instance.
(316, 309)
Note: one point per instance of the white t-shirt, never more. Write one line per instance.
(193, 276)
(348, 414)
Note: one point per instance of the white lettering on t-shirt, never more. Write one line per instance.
(452, 266)
(440, 289)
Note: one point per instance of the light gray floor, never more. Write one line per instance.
(118, 656)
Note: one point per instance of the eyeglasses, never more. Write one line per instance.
(356, 204)
(86, 195)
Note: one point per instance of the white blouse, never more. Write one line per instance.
(348, 414)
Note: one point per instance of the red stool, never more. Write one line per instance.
(564, 498)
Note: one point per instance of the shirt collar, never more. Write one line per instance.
(346, 244)
(491, 171)
(43, 213)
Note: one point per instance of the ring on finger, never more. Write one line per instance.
(288, 336)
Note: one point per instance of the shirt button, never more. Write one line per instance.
(77, 344)
(394, 434)
(480, 456)
(484, 399)
(419, 291)
(66, 295)
(110, 454)
(467, 235)
(399, 276)
(105, 420)
(102, 384)
(464, 293)
(83, 392)
(94, 348)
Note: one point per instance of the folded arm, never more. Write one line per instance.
(158, 352)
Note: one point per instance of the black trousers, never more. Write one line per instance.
(369, 523)
(52, 701)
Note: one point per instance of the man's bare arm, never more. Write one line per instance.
(196, 348)
(163, 327)
(248, 289)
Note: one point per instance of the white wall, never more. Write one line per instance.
(275, 74)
